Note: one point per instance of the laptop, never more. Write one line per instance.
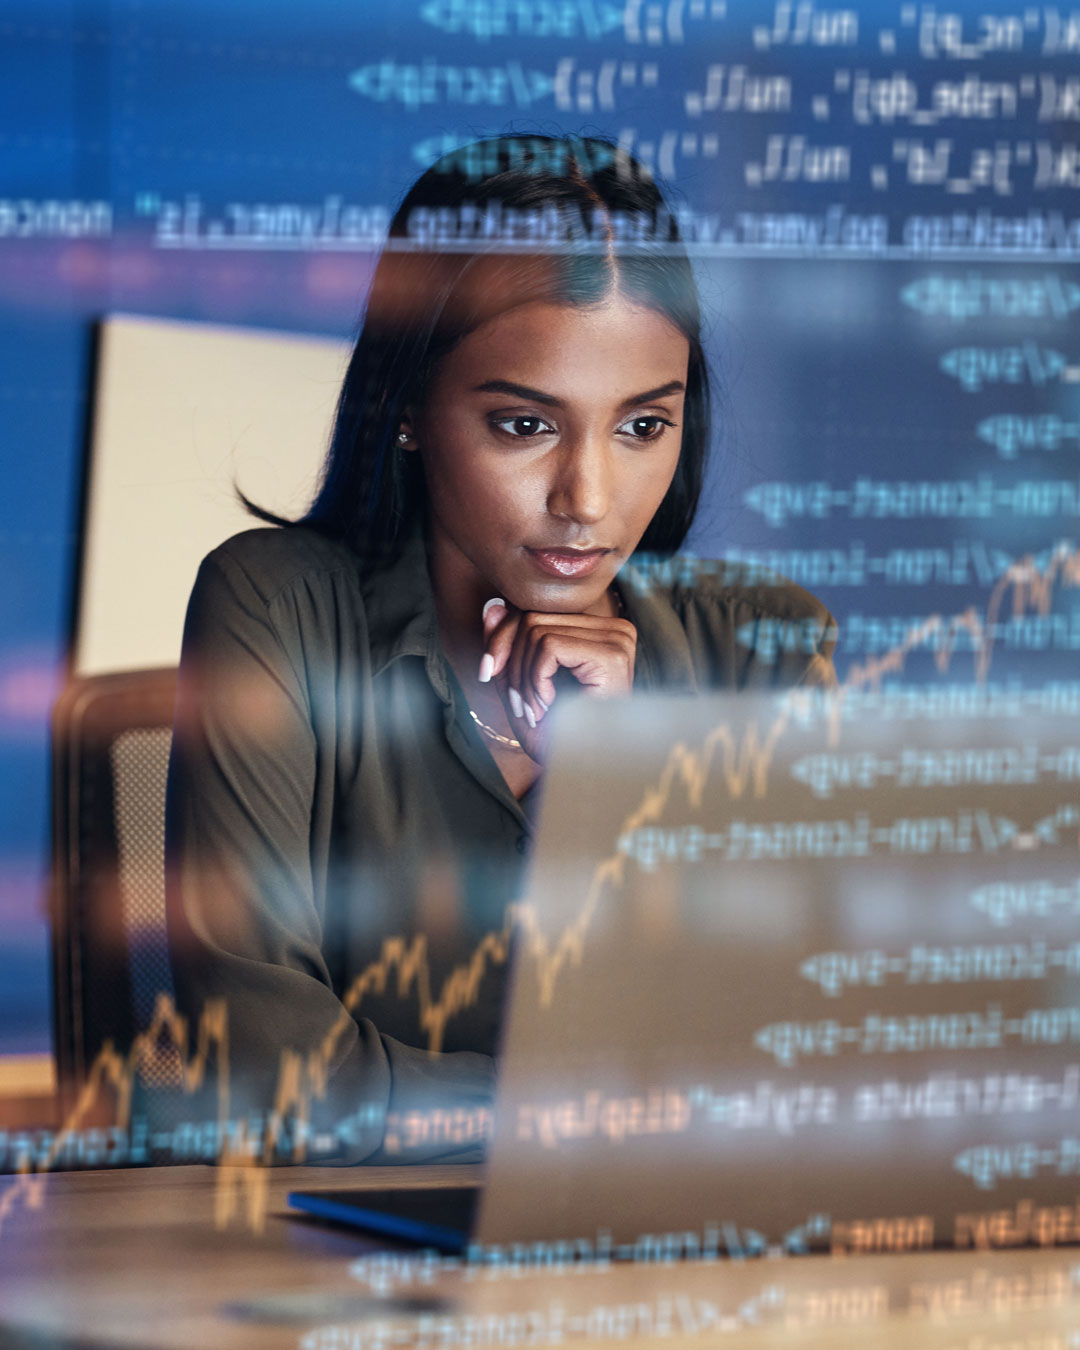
(796, 973)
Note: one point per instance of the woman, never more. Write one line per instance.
(362, 715)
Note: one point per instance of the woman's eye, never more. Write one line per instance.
(648, 428)
(524, 427)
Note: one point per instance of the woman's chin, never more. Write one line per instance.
(562, 597)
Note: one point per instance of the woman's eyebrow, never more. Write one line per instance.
(538, 395)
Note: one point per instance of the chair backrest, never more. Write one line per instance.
(111, 739)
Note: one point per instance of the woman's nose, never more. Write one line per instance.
(581, 487)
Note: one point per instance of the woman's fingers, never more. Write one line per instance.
(521, 705)
(602, 664)
(502, 622)
(502, 660)
(500, 625)
(525, 650)
(598, 653)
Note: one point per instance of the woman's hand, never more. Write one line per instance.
(525, 649)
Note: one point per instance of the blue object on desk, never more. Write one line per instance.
(439, 1217)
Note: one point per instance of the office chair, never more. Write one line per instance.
(111, 739)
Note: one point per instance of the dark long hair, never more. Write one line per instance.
(564, 219)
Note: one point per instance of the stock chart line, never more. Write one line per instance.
(1032, 591)
(243, 1176)
(300, 1079)
(110, 1069)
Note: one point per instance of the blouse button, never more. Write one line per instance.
(523, 843)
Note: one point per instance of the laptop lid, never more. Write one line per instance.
(798, 972)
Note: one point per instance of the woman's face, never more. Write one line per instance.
(551, 427)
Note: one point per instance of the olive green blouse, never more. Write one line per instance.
(334, 814)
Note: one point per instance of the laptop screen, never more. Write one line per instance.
(799, 974)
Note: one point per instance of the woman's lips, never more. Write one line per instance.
(565, 562)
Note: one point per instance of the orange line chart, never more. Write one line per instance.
(300, 1080)
(242, 1178)
(114, 1071)
(1032, 592)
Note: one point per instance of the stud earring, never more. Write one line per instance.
(403, 437)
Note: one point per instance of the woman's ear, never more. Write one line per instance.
(406, 434)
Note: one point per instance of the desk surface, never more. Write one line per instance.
(151, 1258)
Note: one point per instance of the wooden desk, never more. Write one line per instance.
(134, 1258)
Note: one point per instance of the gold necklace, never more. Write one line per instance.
(496, 735)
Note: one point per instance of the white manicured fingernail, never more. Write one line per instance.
(495, 600)
(515, 703)
(546, 706)
(487, 668)
(530, 716)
